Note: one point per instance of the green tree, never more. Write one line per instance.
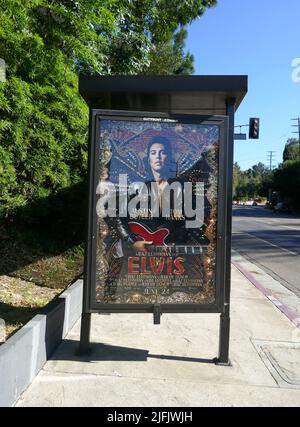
(43, 121)
(45, 44)
(169, 57)
(287, 181)
(236, 178)
(252, 183)
(291, 150)
(260, 170)
(149, 36)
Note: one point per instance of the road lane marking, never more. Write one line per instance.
(292, 228)
(296, 227)
(269, 243)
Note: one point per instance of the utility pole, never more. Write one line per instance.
(271, 158)
(298, 126)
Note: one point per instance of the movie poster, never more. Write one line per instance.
(156, 205)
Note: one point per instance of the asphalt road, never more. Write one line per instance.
(271, 241)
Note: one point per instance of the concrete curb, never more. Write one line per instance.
(26, 352)
(269, 294)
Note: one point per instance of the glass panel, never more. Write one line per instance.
(157, 212)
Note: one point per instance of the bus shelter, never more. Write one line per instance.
(160, 196)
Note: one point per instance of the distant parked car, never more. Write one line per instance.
(281, 207)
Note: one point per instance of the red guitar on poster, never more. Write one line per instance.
(158, 238)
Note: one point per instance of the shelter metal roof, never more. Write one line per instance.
(205, 95)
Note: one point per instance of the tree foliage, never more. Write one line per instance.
(168, 57)
(287, 182)
(287, 177)
(46, 44)
(284, 181)
(291, 150)
(252, 183)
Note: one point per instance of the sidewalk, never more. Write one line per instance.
(134, 363)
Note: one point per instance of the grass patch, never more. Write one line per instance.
(57, 271)
(32, 257)
(21, 300)
(34, 269)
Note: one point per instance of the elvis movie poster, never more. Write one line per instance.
(156, 209)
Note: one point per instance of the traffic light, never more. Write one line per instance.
(254, 128)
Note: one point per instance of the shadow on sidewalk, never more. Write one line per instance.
(105, 352)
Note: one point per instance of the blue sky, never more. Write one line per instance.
(259, 38)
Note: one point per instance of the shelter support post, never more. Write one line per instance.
(156, 314)
(85, 331)
(84, 346)
(224, 336)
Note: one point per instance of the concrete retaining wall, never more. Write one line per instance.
(26, 352)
